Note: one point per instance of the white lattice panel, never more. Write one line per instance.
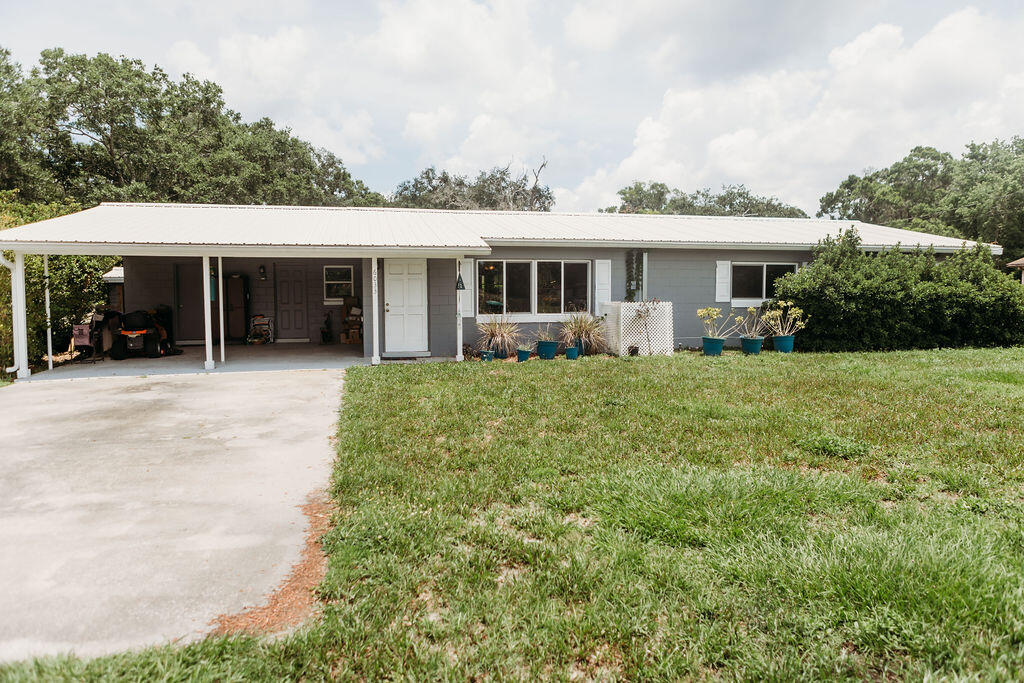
(645, 326)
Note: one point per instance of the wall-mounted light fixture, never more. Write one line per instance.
(263, 272)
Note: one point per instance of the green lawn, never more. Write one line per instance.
(804, 516)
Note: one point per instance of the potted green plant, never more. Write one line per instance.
(716, 329)
(584, 332)
(523, 353)
(751, 328)
(501, 336)
(784, 320)
(547, 345)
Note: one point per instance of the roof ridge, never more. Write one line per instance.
(463, 212)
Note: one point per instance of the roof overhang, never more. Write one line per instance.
(756, 246)
(236, 250)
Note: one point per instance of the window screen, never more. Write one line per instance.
(747, 282)
(577, 287)
(549, 286)
(517, 287)
(490, 286)
(773, 273)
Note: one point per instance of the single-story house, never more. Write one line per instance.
(421, 279)
(1019, 264)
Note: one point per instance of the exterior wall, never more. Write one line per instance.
(529, 329)
(686, 277)
(442, 305)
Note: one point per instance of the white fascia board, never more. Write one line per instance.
(757, 246)
(279, 251)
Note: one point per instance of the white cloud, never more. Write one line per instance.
(797, 133)
(426, 128)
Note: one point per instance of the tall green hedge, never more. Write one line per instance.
(860, 301)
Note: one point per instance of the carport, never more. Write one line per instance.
(408, 269)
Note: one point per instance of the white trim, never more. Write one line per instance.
(458, 312)
(49, 322)
(723, 281)
(468, 295)
(602, 282)
(220, 303)
(252, 250)
(525, 317)
(375, 311)
(747, 303)
(20, 315)
(207, 317)
(328, 301)
(751, 246)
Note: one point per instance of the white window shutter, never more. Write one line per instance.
(723, 281)
(602, 283)
(469, 282)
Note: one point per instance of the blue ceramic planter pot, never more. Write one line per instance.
(783, 343)
(751, 345)
(572, 352)
(487, 355)
(713, 346)
(522, 355)
(546, 349)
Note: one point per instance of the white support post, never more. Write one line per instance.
(20, 317)
(458, 313)
(49, 323)
(643, 278)
(375, 299)
(207, 318)
(220, 303)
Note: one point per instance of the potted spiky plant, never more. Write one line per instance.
(717, 328)
(500, 336)
(583, 331)
(547, 345)
(784, 320)
(751, 328)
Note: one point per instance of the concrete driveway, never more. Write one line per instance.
(134, 510)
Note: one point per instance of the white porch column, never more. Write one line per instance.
(220, 303)
(375, 299)
(49, 325)
(458, 313)
(20, 317)
(207, 318)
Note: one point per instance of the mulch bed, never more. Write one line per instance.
(292, 602)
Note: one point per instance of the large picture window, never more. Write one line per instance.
(337, 283)
(533, 288)
(754, 282)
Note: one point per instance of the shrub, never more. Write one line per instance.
(858, 301)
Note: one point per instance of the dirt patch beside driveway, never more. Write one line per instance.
(135, 510)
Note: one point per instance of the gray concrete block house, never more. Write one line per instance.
(394, 272)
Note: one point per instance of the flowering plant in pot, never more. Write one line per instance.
(583, 332)
(547, 345)
(523, 353)
(751, 328)
(500, 336)
(784, 320)
(717, 328)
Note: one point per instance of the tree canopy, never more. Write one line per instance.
(979, 196)
(102, 128)
(498, 188)
(733, 200)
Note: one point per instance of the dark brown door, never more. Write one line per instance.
(234, 308)
(291, 320)
(189, 303)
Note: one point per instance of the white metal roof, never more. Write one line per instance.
(114, 275)
(209, 229)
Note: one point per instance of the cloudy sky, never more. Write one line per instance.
(787, 97)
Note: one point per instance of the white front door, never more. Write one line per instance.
(405, 306)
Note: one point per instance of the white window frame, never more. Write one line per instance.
(532, 316)
(754, 302)
(351, 283)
